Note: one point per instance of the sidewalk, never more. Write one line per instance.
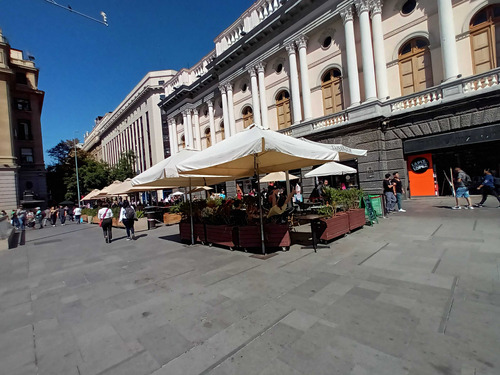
(417, 294)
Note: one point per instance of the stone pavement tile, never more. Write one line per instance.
(140, 364)
(15, 297)
(165, 343)
(307, 305)
(257, 354)
(129, 298)
(300, 320)
(364, 293)
(15, 317)
(407, 303)
(384, 327)
(278, 367)
(314, 284)
(17, 351)
(102, 349)
(382, 259)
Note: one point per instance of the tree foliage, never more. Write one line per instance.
(93, 174)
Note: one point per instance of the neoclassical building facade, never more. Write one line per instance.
(135, 125)
(405, 79)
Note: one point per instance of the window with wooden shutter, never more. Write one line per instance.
(415, 67)
(247, 117)
(331, 86)
(208, 137)
(283, 109)
(485, 39)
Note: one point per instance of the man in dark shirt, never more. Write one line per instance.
(398, 187)
(390, 198)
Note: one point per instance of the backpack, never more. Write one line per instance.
(467, 180)
(129, 213)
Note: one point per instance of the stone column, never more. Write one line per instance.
(186, 130)
(367, 49)
(171, 136)
(173, 140)
(262, 94)
(196, 120)
(212, 121)
(255, 96)
(294, 83)
(230, 108)
(379, 50)
(304, 77)
(352, 60)
(447, 36)
(225, 114)
(190, 143)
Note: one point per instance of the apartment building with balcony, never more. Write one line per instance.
(413, 82)
(22, 167)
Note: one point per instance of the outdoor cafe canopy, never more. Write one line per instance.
(344, 152)
(91, 195)
(330, 169)
(277, 176)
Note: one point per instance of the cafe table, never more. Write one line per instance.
(314, 220)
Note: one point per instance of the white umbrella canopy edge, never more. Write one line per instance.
(91, 195)
(277, 176)
(344, 152)
(274, 152)
(330, 169)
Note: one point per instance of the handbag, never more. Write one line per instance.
(100, 221)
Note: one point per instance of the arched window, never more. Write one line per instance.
(207, 136)
(247, 117)
(485, 39)
(331, 86)
(183, 142)
(415, 68)
(283, 109)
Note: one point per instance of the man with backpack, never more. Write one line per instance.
(462, 182)
(127, 217)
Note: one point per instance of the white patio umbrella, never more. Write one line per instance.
(254, 151)
(344, 152)
(104, 193)
(91, 195)
(330, 169)
(200, 188)
(278, 176)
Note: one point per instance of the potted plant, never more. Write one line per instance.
(356, 215)
(334, 224)
(185, 210)
(173, 216)
(217, 223)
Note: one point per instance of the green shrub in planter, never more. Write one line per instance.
(89, 211)
(140, 214)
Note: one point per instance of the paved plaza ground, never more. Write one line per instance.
(417, 294)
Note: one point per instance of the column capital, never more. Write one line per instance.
(252, 72)
(222, 89)
(228, 86)
(347, 14)
(290, 48)
(301, 42)
(260, 67)
(375, 7)
(362, 5)
(210, 103)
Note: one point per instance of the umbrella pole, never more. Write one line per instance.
(259, 195)
(191, 212)
(287, 175)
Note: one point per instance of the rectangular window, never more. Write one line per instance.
(23, 104)
(27, 155)
(21, 78)
(161, 82)
(162, 96)
(23, 131)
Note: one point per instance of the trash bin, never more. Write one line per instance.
(153, 214)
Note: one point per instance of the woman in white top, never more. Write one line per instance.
(106, 216)
(78, 214)
(128, 216)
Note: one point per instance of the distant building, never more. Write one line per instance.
(22, 168)
(135, 125)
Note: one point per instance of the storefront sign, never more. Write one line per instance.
(419, 165)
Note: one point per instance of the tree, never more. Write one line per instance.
(125, 167)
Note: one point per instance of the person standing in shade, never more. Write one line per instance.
(106, 216)
(398, 187)
(488, 188)
(53, 216)
(46, 216)
(127, 217)
(62, 215)
(78, 213)
(461, 190)
(390, 198)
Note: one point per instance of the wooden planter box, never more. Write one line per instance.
(117, 224)
(198, 229)
(333, 227)
(85, 218)
(357, 218)
(171, 219)
(277, 235)
(95, 219)
(223, 235)
(248, 236)
(141, 224)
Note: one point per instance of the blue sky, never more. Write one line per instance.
(86, 69)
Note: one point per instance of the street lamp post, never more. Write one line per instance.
(77, 180)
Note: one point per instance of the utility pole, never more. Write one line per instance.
(77, 180)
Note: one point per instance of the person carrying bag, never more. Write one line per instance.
(105, 216)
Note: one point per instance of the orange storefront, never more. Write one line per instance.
(422, 177)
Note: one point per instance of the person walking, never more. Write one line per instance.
(105, 215)
(77, 212)
(53, 216)
(21, 216)
(62, 215)
(461, 190)
(46, 216)
(39, 217)
(127, 217)
(390, 198)
(398, 187)
(488, 187)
